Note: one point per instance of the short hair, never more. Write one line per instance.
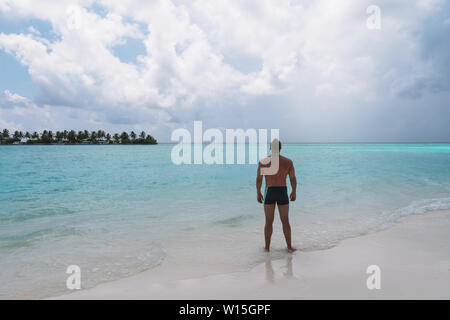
(279, 144)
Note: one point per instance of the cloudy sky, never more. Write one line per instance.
(313, 69)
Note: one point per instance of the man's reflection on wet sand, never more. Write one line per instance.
(287, 269)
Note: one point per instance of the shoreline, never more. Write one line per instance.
(412, 253)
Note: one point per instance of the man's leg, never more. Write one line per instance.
(269, 210)
(284, 216)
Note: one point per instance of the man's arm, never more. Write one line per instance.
(259, 180)
(293, 180)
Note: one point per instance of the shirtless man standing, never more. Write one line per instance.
(276, 193)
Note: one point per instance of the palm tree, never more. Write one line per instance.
(100, 134)
(71, 136)
(151, 140)
(45, 137)
(6, 133)
(124, 137)
(35, 135)
(142, 135)
(16, 136)
(133, 135)
(27, 135)
(108, 138)
(116, 138)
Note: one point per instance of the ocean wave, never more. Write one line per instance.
(419, 207)
(233, 221)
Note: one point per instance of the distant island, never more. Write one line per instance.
(72, 137)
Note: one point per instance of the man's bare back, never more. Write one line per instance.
(286, 167)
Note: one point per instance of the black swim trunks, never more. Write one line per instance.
(277, 195)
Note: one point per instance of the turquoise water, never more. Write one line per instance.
(119, 210)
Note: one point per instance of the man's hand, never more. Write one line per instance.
(293, 196)
(260, 197)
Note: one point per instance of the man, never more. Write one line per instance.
(276, 168)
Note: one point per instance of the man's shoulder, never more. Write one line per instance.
(264, 161)
(285, 159)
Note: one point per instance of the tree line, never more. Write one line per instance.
(72, 137)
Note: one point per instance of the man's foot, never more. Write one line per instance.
(267, 249)
(291, 249)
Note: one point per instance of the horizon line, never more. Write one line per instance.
(351, 142)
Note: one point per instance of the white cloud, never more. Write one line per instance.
(8, 100)
(31, 29)
(16, 111)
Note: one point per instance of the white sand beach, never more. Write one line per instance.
(413, 255)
